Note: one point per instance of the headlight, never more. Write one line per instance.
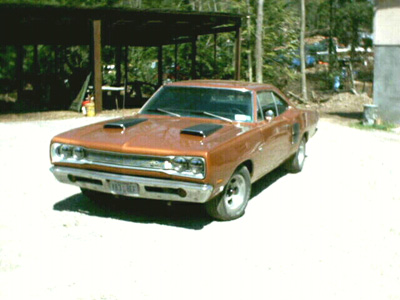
(196, 166)
(61, 152)
(66, 151)
(180, 164)
(55, 152)
(79, 153)
(187, 166)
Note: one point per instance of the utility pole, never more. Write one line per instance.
(249, 53)
(302, 51)
(259, 38)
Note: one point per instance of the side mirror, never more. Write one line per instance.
(269, 115)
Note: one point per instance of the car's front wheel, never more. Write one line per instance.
(232, 202)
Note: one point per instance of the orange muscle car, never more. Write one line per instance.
(201, 141)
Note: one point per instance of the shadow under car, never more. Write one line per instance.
(177, 214)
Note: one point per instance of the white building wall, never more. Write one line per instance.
(387, 59)
(387, 22)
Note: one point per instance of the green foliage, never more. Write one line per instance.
(280, 40)
(383, 127)
(281, 32)
(351, 18)
(8, 57)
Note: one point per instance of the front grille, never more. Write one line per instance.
(124, 160)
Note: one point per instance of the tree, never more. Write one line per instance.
(259, 39)
(249, 52)
(302, 51)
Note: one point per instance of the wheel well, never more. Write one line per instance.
(249, 165)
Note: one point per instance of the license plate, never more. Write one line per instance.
(123, 188)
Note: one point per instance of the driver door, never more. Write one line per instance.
(275, 130)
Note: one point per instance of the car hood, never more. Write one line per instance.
(153, 135)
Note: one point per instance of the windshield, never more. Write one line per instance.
(235, 105)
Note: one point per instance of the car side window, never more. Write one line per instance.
(266, 102)
(281, 105)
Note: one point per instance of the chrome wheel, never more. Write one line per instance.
(232, 202)
(295, 163)
(235, 192)
(301, 153)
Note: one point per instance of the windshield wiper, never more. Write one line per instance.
(165, 111)
(216, 116)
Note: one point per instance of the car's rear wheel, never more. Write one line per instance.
(296, 162)
(232, 202)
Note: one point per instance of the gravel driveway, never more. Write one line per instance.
(330, 232)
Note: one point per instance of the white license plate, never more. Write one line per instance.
(123, 188)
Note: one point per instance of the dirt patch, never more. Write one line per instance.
(343, 107)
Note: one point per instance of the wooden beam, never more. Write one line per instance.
(194, 54)
(126, 72)
(36, 70)
(118, 55)
(56, 50)
(36, 61)
(176, 62)
(160, 66)
(19, 69)
(237, 53)
(215, 55)
(97, 72)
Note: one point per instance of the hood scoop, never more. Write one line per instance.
(123, 124)
(202, 130)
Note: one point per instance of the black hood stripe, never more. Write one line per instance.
(203, 130)
(124, 124)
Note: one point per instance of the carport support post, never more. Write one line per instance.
(118, 55)
(237, 54)
(56, 60)
(126, 50)
(97, 74)
(36, 69)
(215, 55)
(176, 61)
(194, 54)
(36, 62)
(19, 69)
(160, 65)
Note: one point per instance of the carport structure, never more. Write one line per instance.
(120, 27)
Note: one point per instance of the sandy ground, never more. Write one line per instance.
(329, 232)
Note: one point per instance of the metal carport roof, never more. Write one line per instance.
(23, 24)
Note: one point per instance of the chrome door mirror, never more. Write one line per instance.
(269, 115)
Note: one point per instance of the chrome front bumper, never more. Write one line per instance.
(140, 187)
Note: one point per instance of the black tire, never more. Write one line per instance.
(296, 162)
(232, 202)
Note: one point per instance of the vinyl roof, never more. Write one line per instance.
(22, 24)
